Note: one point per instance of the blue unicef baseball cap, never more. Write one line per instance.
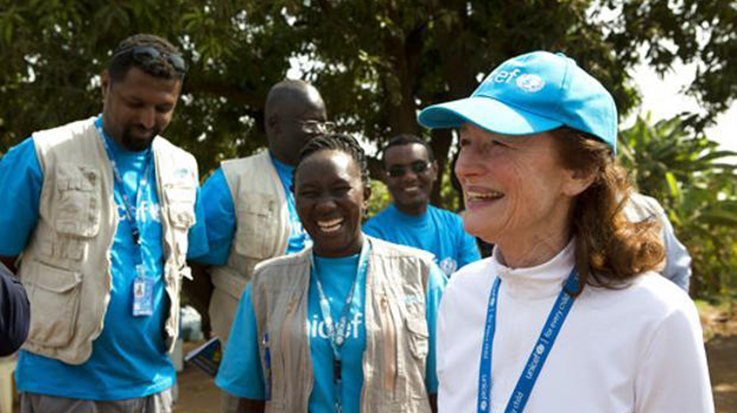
(532, 93)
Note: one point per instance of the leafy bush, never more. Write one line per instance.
(691, 177)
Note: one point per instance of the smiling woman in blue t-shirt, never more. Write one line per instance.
(347, 325)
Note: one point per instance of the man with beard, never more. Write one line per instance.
(410, 171)
(250, 210)
(103, 214)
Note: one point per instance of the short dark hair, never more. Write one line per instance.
(406, 139)
(159, 67)
(338, 142)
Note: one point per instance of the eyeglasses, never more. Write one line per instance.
(399, 171)
(315, 126)
(147, 54)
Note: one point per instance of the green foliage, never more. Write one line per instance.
(686, 172)
(450, 189)
(377, 63)
(53, 52)
(698, 31)
(384, 60)
(380, 199)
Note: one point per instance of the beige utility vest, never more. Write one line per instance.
(397, 339)
(66, 266)
(262, 225)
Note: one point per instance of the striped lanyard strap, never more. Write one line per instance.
(539, 354)
(337, 332)
(130, 211)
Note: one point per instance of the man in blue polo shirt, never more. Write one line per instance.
(410, 172)
(104, 211)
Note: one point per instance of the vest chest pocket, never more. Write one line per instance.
(256, 230)
(419, 337)
(180, 204)
(76, 202)
(54, 297)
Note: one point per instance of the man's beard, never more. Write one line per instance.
(137, 144)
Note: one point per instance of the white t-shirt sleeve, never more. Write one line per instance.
(673, 376)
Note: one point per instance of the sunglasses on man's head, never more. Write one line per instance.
(398, 171)
(147, 54)
(315, 126)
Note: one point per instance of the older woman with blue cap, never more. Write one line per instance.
(567, 315)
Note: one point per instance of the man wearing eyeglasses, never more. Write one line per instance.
(250, 211)
(103, 213)
(410, 172)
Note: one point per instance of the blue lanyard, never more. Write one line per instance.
(129, 211)
(539, 354)
(336, 333)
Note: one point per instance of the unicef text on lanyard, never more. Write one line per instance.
(143, 285)
(540, 352)
(337, 333)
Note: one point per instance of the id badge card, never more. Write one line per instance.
(143, 294)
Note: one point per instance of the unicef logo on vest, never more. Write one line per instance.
(530, 83)
(448, 265)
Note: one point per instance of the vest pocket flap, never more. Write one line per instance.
(180, 204)
(418, 325)
(265, 208)
(72, 184)
(419, 337)
(77, 205)
(180, 194)
(53, 279)
(258, 226)
(54, 297)
(77, 177)
(181, 215)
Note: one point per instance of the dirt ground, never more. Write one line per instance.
(722, 354)
(721, 351)
(197, 393)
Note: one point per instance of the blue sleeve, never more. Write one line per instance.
(219, 212)
(372, 228)
(15, 316)
(677, 260)
(435, 286)
(198, 233)
(240, 372)
(21, 180)
(469, 250)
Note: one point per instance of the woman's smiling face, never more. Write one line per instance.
(518, 194)
(330, 198)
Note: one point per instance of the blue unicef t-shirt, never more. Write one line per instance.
(437, 231)
(241, 373)
(221, 218)
(128, 359)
